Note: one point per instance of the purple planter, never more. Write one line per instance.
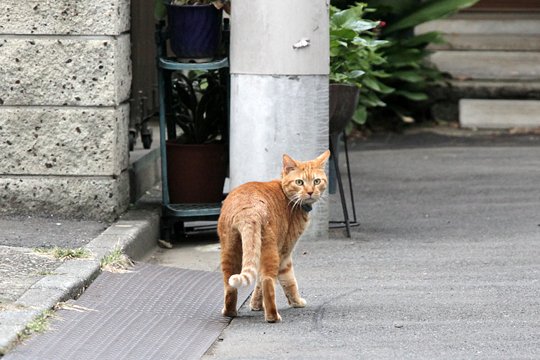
(195, 30)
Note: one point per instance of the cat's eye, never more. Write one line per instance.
(316, 181)
(299, 182)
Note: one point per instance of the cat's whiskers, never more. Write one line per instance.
(296, 201)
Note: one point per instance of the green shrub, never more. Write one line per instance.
(405, 68)
(355, 55)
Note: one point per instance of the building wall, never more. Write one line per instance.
(65, 77)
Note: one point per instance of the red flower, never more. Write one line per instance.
(382, 24)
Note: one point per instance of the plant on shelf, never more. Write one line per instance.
(199, 107)
(197, 157)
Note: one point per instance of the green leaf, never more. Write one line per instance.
(342, 33)
(369, 42)
(361, 25)
(416, 96)
(160, 11)
(431, 10)
(410, 76)
(433, 37)
(356, 73)
(351, 19)
(360, 115)
(370, 99)
(376, 85)
(341, 17)
(394, 6)
(409, 57)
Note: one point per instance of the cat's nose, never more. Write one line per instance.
(310, 193)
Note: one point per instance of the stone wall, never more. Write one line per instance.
(65, 75)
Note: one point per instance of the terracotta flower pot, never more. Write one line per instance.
(196, 173)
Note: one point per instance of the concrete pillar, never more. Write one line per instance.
(65, 75)
(279, 90)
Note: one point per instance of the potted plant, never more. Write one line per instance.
(194, 27)
(354, 53)
(197, 157)
(354, 84)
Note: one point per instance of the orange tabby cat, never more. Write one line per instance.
(259, 225)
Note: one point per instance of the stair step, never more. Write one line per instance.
(479, 89)
(489, 42)
(489, 65)
(499, 114)
(487, 31)
(485, 24)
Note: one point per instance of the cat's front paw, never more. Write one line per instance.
(300, 303)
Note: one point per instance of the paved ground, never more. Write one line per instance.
(33, 282)
(446, 263)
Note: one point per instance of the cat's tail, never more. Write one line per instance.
(251, 254)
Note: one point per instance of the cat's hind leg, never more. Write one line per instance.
(269, 271)
(231, 263)
(256, 303)
(288, 283)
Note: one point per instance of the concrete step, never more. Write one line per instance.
(502, 42)
(489, 89)
(144, 165)
(487, 31)
(489, 65)
(485, 24)
(499, 114)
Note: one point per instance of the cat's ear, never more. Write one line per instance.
(289, 164)
(320, 161)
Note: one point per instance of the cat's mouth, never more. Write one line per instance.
(309, 200)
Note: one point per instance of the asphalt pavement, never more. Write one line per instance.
(445, 263)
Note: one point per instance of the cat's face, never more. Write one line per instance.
(304, 182)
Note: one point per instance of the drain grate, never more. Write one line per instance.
(153, 312)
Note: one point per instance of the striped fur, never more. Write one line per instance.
(258, 228)
(250, 232)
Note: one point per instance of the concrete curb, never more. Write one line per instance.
(135, 233)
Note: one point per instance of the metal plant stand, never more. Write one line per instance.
(343, 101)
(177, 214)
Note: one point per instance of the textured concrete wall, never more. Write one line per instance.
(64, 70)
(75, 17)
(65, 73)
